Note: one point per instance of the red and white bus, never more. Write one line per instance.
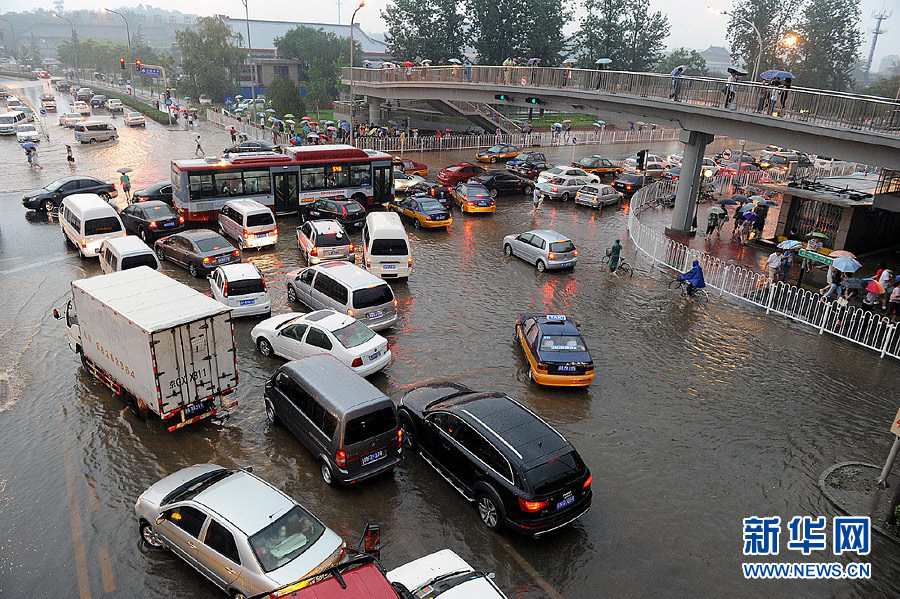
(200, 186)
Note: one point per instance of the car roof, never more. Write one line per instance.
(198, 234)
(240, 272)
(551, 324)
(328, 319)
(328, 226)
(128, 244)
(348, 273)
(151, 204)
(548, 235)
(247, 205)
(336, 386)
(230, 497)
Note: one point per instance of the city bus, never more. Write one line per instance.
(281, 181)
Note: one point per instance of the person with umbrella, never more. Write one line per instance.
(729, 87)
(676, 83)
(761, 211)
(125, 180)
(712, 219)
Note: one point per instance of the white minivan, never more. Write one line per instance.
(242, 287)
(87, 221)
(10, 120)
(249, 223)
(90, 131)
(386, 246)
(122, 253)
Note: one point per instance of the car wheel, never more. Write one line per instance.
(417, 224)
(488, 511)
(161, 255)
(493, 193)
(270, 413)
(541, 267)
(493, 159)
(528, 190)
(104, 197)
(564, 197)
(507, 249)
(91, 140)
(150, 537)
(48, 206)
(327, 474)
(192, 268)
(409, 434)
(143, 235)
(265, 348)
(292, 295)
(238, 595)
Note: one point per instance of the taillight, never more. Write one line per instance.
(181, 220)
(587, 483)
(352, 249)
(341, 458)
(314, 251)
(236, 253)
(531, 506)
(368, 262)
(409, 261)
(84, 244)
(206, 260)
(225, 290)
(350, 312)
(554, 189)
(356, 362)
(395, 303)
(628, 187)
(246, 235)
(152, 224)
(576, 252)
(275, 230)
(551, 256)
(470, 203)
(399, 437)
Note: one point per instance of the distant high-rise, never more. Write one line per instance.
(888, 62)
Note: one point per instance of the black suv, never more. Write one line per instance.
(98, 101)
(500, 183)
(517, 469)
(50, 197)
(530, 169)
(629, 183)
(349, 213)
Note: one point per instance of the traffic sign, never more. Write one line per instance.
(228, 101)
(151, 71)
(895, 427)
(816, 257)
(726, 153)
(168, 101)
(43, 111)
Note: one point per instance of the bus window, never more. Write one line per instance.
(360, 174)
(256, 182)
(340, 175)
(312, 177)
(202, 186)
(229, 184)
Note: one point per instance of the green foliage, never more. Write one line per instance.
(886, 86)
(829, 43)
(146, 109)
(96, 55)
(284, 96)
(696, 64)
(496, 29)
(543, 30)
(211, 59)
(322, 54)
(432, 29)
(773, 18)
(623, 31)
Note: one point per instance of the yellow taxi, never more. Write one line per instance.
(599, 166)
(497, 153)
(473, 197)
(423, 210)
(555, 350)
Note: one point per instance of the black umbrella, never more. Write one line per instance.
(852, 283)
(726, 202)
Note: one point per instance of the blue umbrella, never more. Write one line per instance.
(751, 216)
(769, 75)
(455, 61)
(28, 146)
(790, 244)
(726, 202)
(766, 203)
(603, 61)
(845, 264)
(746, 208)
(786, 75)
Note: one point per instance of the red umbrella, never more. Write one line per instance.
(842, 253)
(409, 64)
(875, 287)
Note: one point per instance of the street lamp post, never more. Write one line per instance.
(74, 41)
(352, 103)
(128, 38)
(250, 61)
(12, 32)
(755, 29)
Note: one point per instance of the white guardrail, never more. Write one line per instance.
(852, 323)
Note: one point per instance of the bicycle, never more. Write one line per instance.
(623, 268)
(699, 295)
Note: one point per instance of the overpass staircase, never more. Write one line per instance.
(482, 115)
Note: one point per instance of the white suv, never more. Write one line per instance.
(242, 287)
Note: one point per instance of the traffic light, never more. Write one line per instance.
(122, 63)
(137, 63)
(503, 97)
(168, 93)
(641, 159)
(533, 101)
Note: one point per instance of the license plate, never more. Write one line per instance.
(375, 356)
(223, 259)
(195, 409)
(248, 302)
(334, 253)
(567, 501)
(566, 369)
(172, 224)
(258, 235)
(377, 314)
(483, 204)
(372, 457)
(389, 266)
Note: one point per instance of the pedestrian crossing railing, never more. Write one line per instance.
(243, 126)
(856, 324)
(725, 184)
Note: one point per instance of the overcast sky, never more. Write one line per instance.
(693, 26)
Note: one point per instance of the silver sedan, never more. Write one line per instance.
(547, 250)
(562, 187)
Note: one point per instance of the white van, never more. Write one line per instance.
(122, 253)
(10, 120)
(87, 221)
(386, 246)
(13, 103)
(242, 288)
(90, 131)
(249, 223)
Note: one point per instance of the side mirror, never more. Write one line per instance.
(160, 520)
(490, 575)
(56, 314)
(371, 541)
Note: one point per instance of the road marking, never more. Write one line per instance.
(81, 571)
(32, 265)
(551, 592)
(109, 584)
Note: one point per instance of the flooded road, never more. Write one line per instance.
(698, 416)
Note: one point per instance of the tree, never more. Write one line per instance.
(284, 96)
(773, 18)
(696, 64)
(211, 59)
(496, 30)
(829, 40)
(887, 86)
(322, 54)
(623, 31)
(544, 39)
(438, 34)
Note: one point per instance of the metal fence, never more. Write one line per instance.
(834, 109)
(856, 324)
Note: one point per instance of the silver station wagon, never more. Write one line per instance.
(547, 250)
(242, 533)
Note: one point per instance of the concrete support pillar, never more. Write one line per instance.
(689, 181)
(374, 109)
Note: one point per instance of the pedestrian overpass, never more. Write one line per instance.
(863, 129)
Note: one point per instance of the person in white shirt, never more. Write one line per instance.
(774, 262)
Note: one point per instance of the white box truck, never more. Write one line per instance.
(157, 342)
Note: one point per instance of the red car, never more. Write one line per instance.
(732, 169)
(411, 167)
(459, 173)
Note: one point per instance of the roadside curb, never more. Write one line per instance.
(849, 467)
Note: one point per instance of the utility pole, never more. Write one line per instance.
(879, 18)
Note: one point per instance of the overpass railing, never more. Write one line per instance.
(851, 323)
(865, 113)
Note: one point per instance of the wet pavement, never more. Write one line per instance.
(698, 416)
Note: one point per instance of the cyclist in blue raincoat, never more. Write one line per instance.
(694, 278)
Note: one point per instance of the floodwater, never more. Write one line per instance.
(698, 416)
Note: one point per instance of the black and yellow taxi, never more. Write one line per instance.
(556, 352)
(497, 153)
(473, 197)
(599, 166)
(423, 210)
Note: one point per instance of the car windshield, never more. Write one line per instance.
(370, 425)
(6, 120)
(26, 128)
(101, 226)
(554, 474)
(134, 115)
(586, 162)
(211, 244)
(494, 149)
(192, 488)
(158, 212)
(562, 343)
(57, 184)
(562, 246)
(432, 205)
(354, 208)
(331, 239)
(372, 296)
(260, 219)
(355, 333)
(246, 287)
(139, 260)
(389, 247)
(452, 169)
(286, 539)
